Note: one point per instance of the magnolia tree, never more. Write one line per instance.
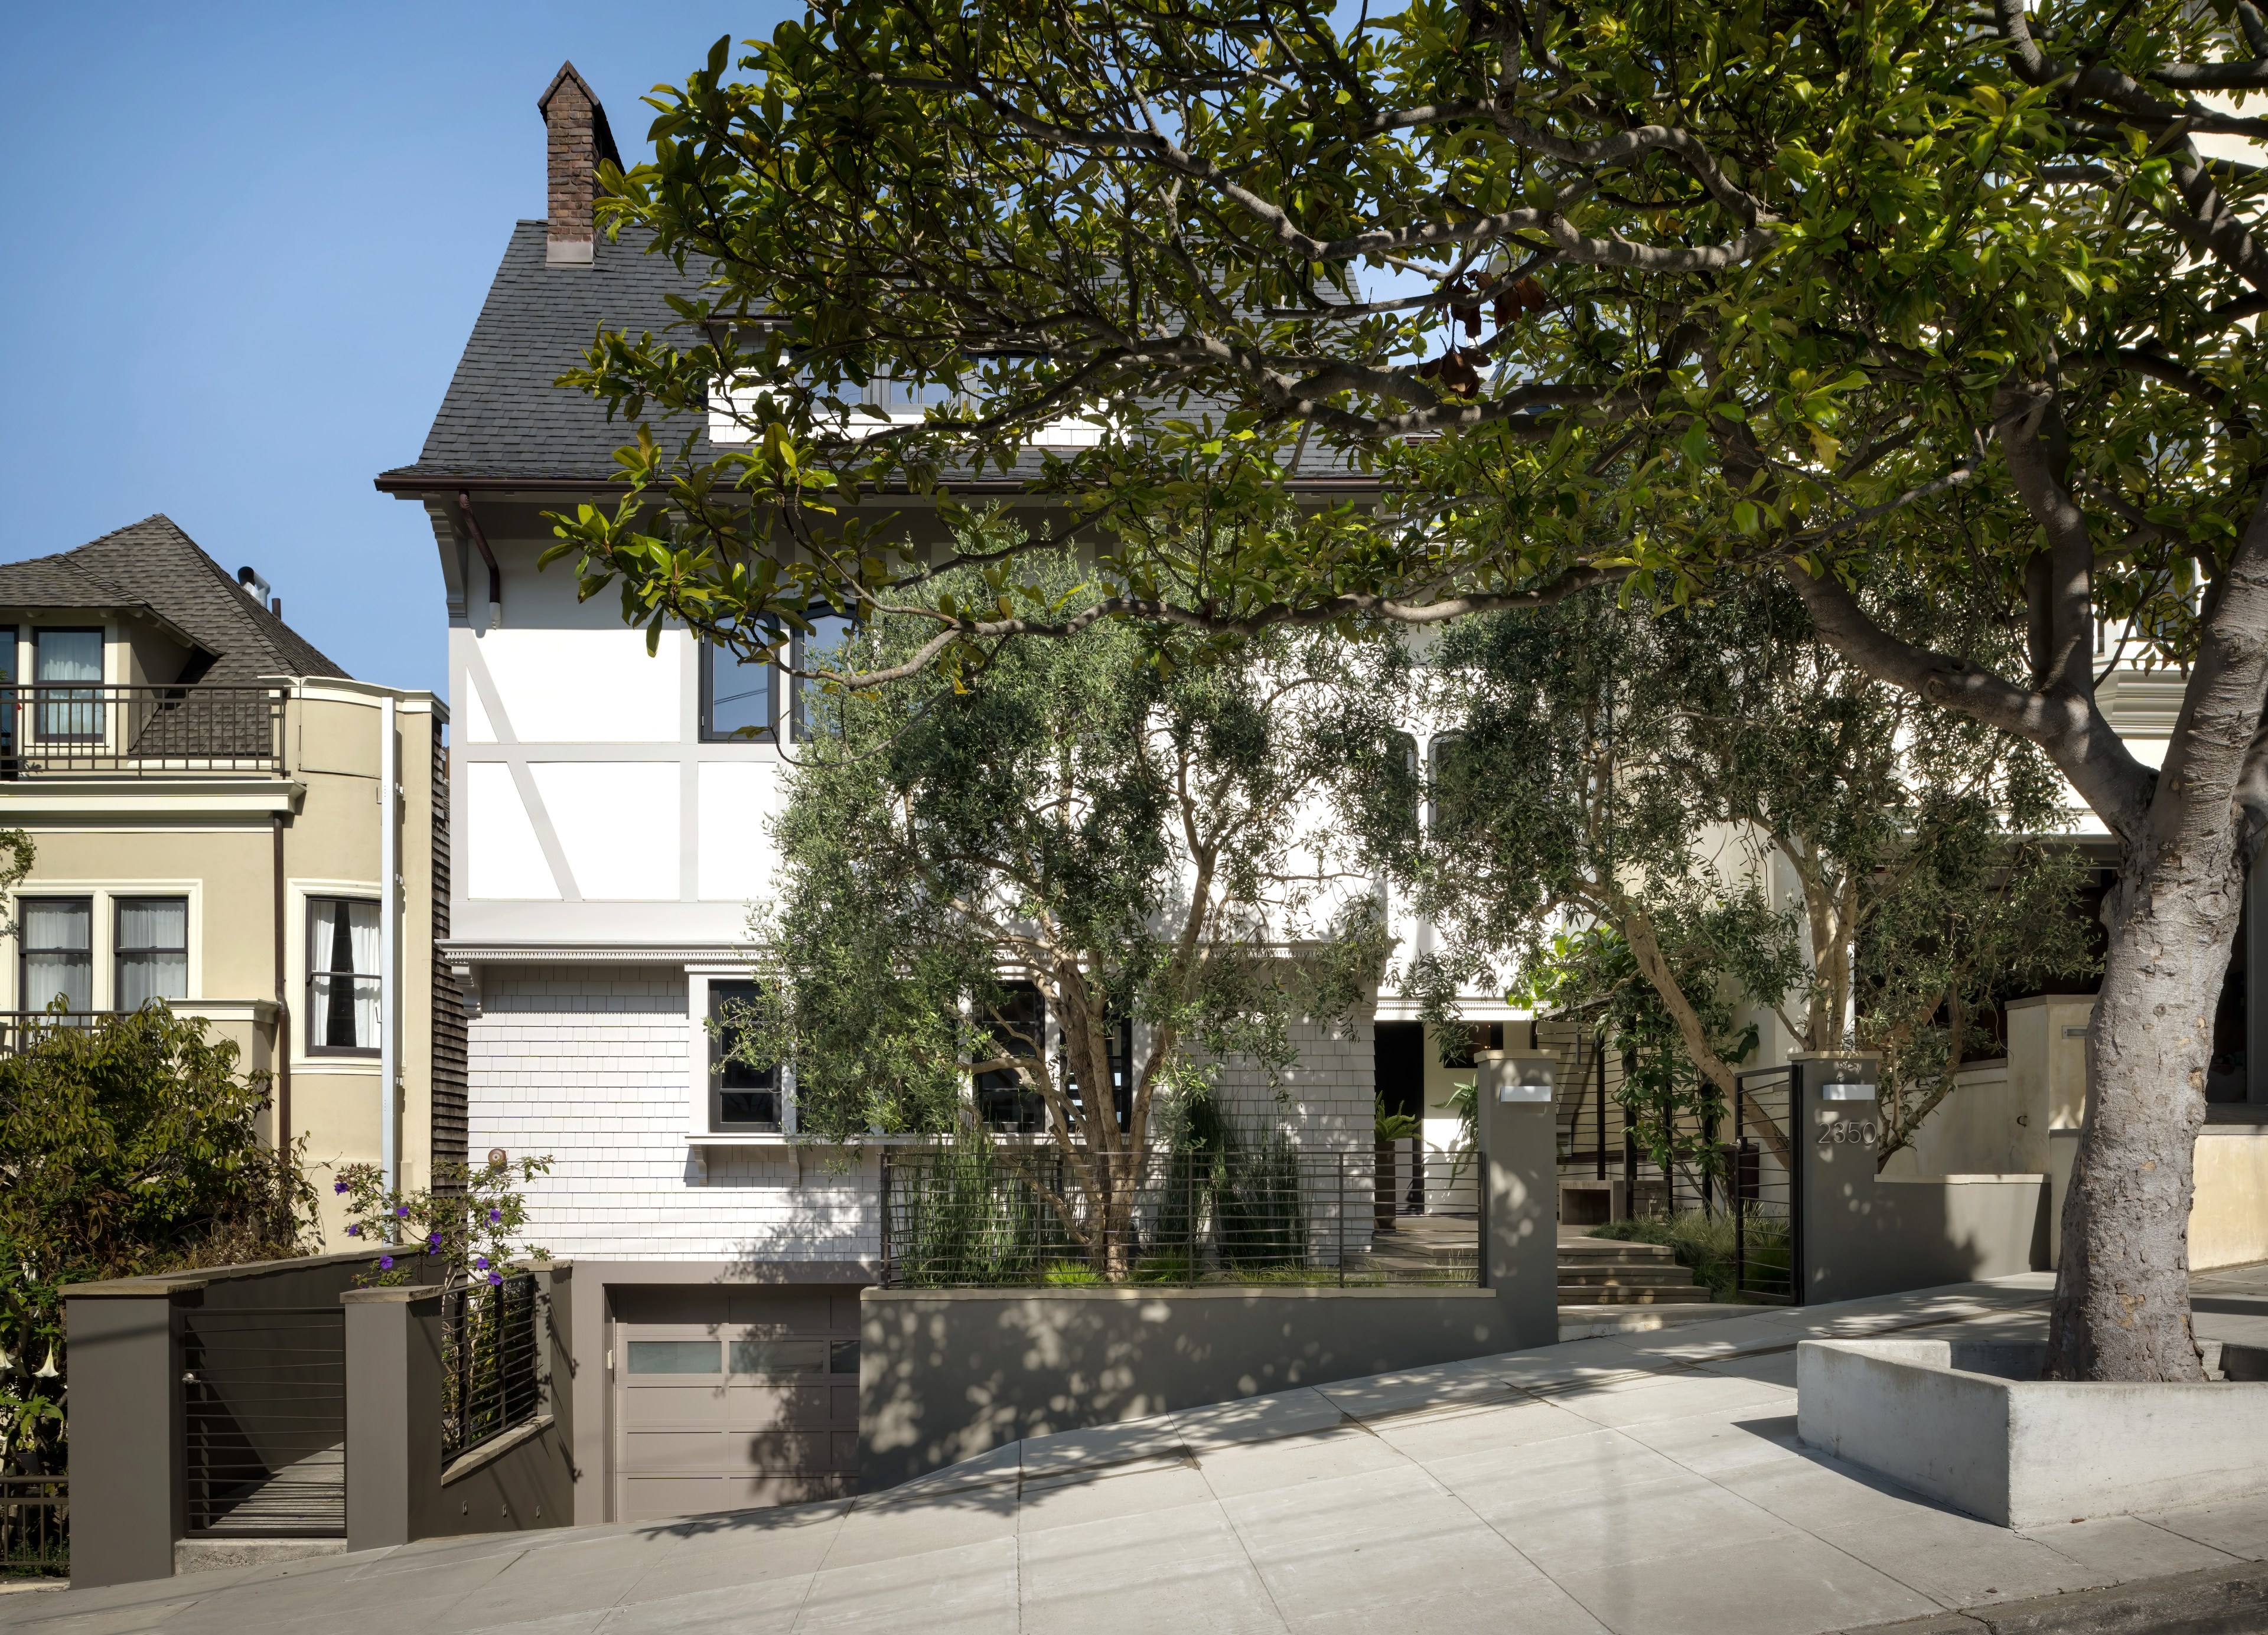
(1087, 823)
(1662, 293)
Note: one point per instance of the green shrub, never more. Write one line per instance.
(1706, 1243)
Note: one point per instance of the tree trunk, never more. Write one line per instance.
(2121, 1298)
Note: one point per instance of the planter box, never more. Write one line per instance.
(1972, 1424)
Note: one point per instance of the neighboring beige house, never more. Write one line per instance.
(205, 792)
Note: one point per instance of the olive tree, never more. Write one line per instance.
(1659, 293)
(1128, 838)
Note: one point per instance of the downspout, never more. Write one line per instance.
(283, 1010)
(389, 949)
(481, 543)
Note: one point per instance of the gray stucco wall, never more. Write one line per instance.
(1865, 1235)
(944, 1374)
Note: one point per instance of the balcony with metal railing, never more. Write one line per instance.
(86, 730)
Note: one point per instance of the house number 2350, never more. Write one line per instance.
(1851, 1131)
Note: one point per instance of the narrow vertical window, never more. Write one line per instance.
(1019, 1024)
(827, 648)
(66, 667)
(740, 1098)
(343, 974)
(736, 696)
(152, 951)
(58, 957)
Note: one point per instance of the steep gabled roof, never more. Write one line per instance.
(152, 567)
(504, 418)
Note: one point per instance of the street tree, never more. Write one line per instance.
(1085, 823)
(1664, 294)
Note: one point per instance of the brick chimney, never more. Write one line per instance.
(577, 138)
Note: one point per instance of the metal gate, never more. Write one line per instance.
(1764, 1182)
(265, 1420)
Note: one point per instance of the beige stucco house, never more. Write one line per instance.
(208, 796)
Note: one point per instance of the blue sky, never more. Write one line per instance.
(249, 241)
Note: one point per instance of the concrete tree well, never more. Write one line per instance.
(1972, 1424)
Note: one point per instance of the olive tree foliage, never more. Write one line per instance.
(1133, 839)
(1662, 292)
(1651, 774)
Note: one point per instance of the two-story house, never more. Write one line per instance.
(218, 811)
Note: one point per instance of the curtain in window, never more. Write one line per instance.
(57, 956)
(153, 950)
(342, 972)
(65, 656)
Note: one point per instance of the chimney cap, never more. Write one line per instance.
(604, 137)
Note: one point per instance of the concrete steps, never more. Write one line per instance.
(1602, 1271)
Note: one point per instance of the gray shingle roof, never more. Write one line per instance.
(154, 567)
(502, 417)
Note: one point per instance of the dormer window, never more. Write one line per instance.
(67, 670)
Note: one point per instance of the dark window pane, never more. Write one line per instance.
(57, 935)
(842, 1357)
(739, 695)
(745, 1094)
(343, 980)
(1002, 1099)
(825, 649)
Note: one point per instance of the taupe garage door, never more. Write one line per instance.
(725, 1398)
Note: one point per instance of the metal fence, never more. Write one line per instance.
(491, 1380)
(1267, 1211)
(50, 731)
(1763, 1183)
(35, 1526)
(264, 1400)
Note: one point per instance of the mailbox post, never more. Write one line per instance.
(1520, 1162)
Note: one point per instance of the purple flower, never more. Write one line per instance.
(433, 1246)
(404, 1212)
(482, 1261)
(385, 1263)
(354, 1231)
(495, 1215)
(338, 1187)
(495, 1277)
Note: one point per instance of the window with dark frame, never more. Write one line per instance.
(343, 975)
(823, 648)
(1002, 1100)
(1119, 1048)
(56, 937)
(740, 1098)
(737, 697)
(150, 956)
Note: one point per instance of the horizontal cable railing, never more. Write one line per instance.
(58, 731)
(491, 1383)
(1271, 1212)
(35, 1526)
(263, 1418)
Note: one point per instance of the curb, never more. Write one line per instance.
(2216, 1601)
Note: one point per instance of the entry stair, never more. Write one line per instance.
(1603, 1272)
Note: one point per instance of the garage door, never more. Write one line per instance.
(730, 1398)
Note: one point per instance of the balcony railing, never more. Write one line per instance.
(21, 1029)
(49, 731)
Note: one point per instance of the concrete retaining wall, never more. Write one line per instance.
(1971, 1425)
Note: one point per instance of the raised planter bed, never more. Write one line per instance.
(1971, 1423)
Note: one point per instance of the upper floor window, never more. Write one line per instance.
(67, 668)
(343, 974)
(736, 696)
(828, 647)
(152, 953)
(740, 1098)
(58, 953)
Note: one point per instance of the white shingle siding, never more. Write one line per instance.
(587, 1065)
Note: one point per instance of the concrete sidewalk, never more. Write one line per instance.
(1644, 1484)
